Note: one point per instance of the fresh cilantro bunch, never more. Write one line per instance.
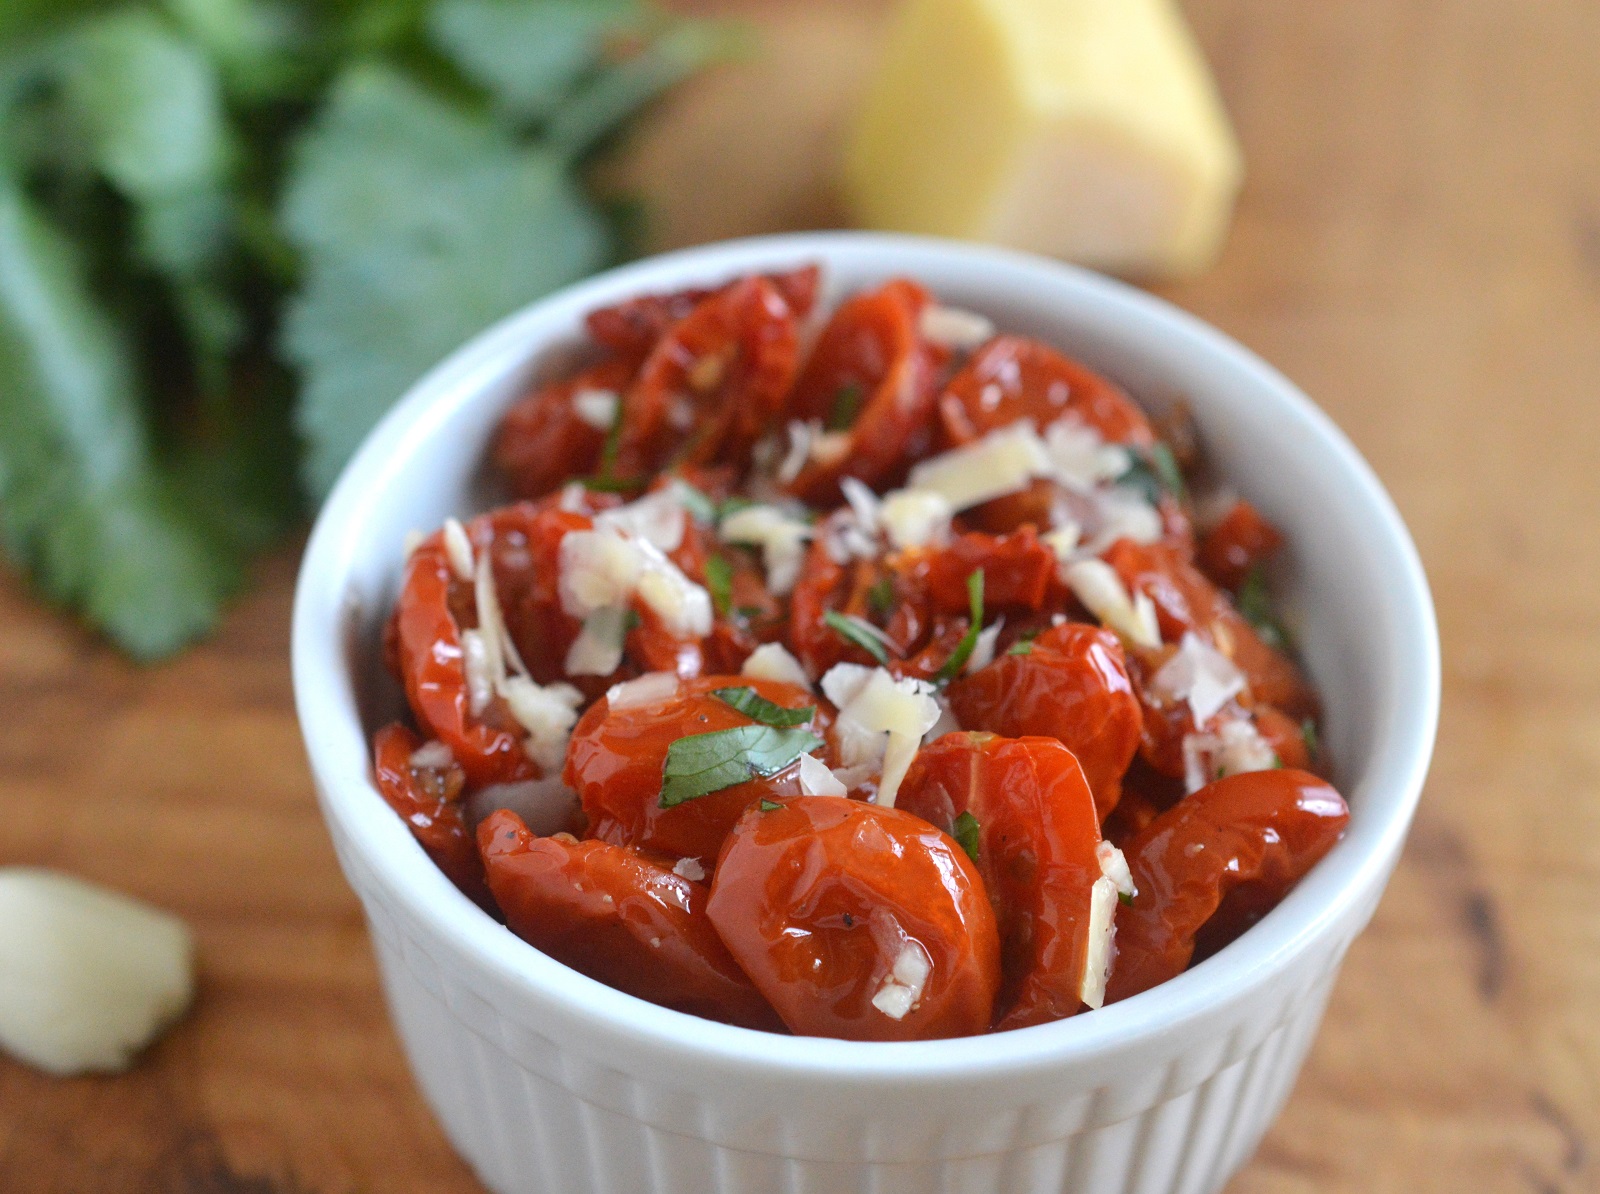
(232, 232)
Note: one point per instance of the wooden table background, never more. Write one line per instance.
(1418, 244)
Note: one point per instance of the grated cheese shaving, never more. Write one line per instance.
(817, 780)
(597, 651)
(953, 327)
(1002, 462)
(880, 718)
(480, 679)
(1232, 749)
(983, 649)
(432, 756)
(458, 549)
(1114, 866)
(1200, 674)
(772, 661)
(781, 537)
(598, 408)
(648, 689)
(1102, 932)
(1079, 458)
(548, 712)
(657, 518)
(689, 868)
(915, 518)
(1097, 585)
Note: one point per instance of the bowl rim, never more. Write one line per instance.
(1335, 891)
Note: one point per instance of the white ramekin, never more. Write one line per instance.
(548, 1081)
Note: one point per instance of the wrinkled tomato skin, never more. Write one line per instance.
(804, 894)
(615, 760)
(619, 918)
(428, 630)
(1240, 541)
(1071, 685)
(727, 367)
(433, 816)
(543, 442)
(632, 328)
(1013, 377)
(1256, 834)
(1185, 600)
(872, 343)
(1037, 837)
(1018, 571)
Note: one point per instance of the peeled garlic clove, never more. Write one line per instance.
(88, 977)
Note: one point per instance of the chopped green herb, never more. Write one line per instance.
(770, 806)
(632, 621)
(757, 708)
(880, 597)
(1125, 898)
(966, 834)
(700, 506)
(860, 633)
(703, 763)
(1255, 606)
(846, 405)
(1021, 647)
(733, 505)
(963, 652)
(1166, 469)
(719, 583)
(748, 613)
(1308, 732)
(604, 484)
(1155, 474)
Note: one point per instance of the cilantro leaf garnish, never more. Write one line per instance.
(963, 652)
(1308, 733)
(719, 583)
(966, 833)
(858, 632)
(1155, 473)
(1255, 606)
(846, 405)
(612, 484)
(769, 806)
(704, 763)
(699, 504)
(757, 708)
(880, 597)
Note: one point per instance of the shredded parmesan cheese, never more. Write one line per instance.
(1097, 585)
(1002, 462)
(1102, 931)
(880, 718)
(690, 869)
(772, 661)
(781, 537)
(458, 549)
(480, 679)
(649, 689)
(1079, 458)
(548, 712)
(1123, 514)
(953, 327)
(1233, 749)
(597, 651)
(1114, 866)
(1200, 674)
(432, 756)
(657, 518)
(598, 408)
(909, 965)
(915, 518)
(607, 567)
(817, 780)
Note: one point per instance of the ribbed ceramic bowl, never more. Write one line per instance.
(548, 1081)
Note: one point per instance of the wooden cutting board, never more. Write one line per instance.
(1418, 245)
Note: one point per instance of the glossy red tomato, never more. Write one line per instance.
(1240, 541)
(1013, 377)
(1037, 833)
(1233, 849)
(872, 377)
(1071, 684)
(711, 386)
(1186, 600)
(612, 914)
(428, 799)
(544, 441)
(615, 761)
(634, 327)
(858, 922)
(1018, 571)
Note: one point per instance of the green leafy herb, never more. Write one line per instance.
(1255, 606)
(700, 506)
(1308, 733)
(703, 763)
(966, 833)
(1155, 474)
(756, 707)
(846, 406)
(880, 597)
(719, 583)
(612, 484)
(1125, 898)
(859, 633)
(963, 652)
(748, 613)
(1021, 647)
(770, 806)
(631, 621)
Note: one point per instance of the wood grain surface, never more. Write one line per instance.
(1418, 245)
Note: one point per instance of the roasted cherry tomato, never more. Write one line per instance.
(612, 914)
(889, 595)
(1037, 837)
(872, 378)
(1070, 683)
(546, 438)
(616, 756)
(1186, 600)
(1239, 542)
(1246, 839)
(1012, 378)
(426, 793)
(711, 386)
(1018, 571)
(858, 922)
(633, 328)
